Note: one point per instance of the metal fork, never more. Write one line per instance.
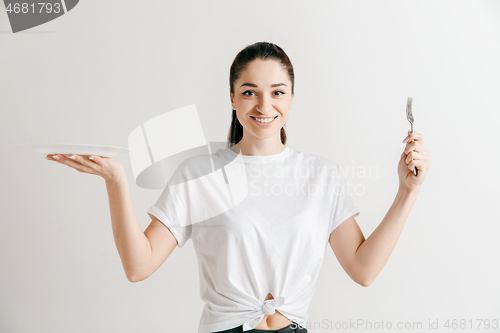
(409, 116)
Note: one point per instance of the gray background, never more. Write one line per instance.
(94, 74)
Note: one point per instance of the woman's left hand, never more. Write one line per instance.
(414, 155)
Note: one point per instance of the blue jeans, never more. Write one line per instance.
(292, 328)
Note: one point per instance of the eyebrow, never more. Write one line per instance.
(253, 85)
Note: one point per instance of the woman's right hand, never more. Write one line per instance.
(106, 167)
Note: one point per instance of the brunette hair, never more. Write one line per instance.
(259, 50)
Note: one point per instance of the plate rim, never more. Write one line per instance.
(72, 144)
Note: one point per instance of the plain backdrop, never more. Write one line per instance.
(96, 73)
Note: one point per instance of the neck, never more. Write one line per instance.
(261, 147)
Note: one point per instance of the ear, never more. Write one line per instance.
(232, 98)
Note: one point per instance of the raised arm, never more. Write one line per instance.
(362, 259)
(141, 252)
(134, 246)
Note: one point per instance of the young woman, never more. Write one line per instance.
(258, 272)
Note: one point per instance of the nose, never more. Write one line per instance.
(265, 105)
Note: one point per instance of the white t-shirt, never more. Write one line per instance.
(259, 225)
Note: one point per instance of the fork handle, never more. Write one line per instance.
(415, 170)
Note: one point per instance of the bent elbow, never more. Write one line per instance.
(365, 282)
(134, 278)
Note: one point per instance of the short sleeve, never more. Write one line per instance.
(343, 203)
(171, 210)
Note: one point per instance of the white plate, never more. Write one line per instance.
(67, 149)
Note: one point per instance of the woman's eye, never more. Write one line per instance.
(251, 93)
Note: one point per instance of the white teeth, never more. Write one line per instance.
(264, 120)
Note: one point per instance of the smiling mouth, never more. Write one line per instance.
(264, 120)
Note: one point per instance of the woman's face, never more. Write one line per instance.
(263, 91)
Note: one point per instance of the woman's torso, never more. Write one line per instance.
(247, 254)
